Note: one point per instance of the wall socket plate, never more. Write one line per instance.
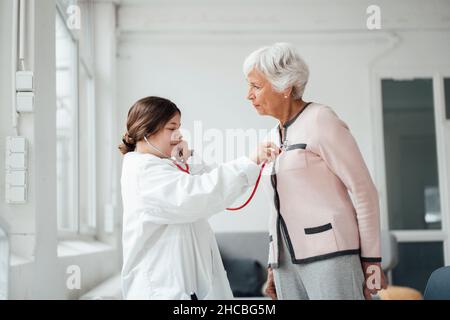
(16, 170)
(24, 81)
(24, 101)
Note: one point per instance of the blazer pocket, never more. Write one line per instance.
(318, 229)
(320, 240)
(296, 146)
(293, 158)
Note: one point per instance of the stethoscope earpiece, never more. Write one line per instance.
(172, 158)
(155, 148)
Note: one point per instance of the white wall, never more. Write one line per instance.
(28, 240)
(193, 55)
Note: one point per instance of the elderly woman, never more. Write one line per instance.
(323, 244)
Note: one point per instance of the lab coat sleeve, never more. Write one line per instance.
(177, 197)
(340, 152)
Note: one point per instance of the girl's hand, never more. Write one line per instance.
(181, 151)
(266, 151)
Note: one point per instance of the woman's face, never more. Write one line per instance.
(264, 98)
(169, 136)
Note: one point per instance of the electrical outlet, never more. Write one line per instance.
(16, 178)
(16, 194)
(16, 170)
(24, 101)
(24, 81)
(16, 144)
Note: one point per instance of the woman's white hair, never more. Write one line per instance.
(282, 66)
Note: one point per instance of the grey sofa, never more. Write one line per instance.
(246, 249)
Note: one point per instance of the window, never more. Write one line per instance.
(411, 156)
(66, 127)
(87, 151)
(75, 123)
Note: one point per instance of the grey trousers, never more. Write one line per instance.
(339, 278)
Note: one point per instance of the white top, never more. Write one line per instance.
(169, 249)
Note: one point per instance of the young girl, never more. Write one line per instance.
(169, 249)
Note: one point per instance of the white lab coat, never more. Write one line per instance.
(169, 249)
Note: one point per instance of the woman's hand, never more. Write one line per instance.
(266, 151)
(270, 286)
(374, 279)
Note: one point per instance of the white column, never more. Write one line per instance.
(42, 51)
(108, 157)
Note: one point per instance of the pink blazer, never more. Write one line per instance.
(310, 184)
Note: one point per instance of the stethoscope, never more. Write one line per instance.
(282, 149)
(186, 170)
(174, 161)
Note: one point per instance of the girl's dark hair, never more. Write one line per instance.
(145, 118)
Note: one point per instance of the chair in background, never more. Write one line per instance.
(438, 285)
